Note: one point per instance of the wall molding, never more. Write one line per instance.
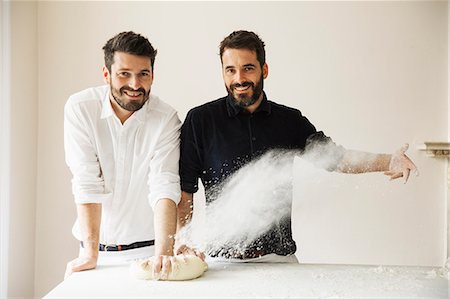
(436, 149)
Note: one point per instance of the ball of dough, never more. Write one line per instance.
(185, 268)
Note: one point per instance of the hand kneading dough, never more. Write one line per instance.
(184, 268)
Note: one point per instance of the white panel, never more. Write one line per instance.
(4, 144)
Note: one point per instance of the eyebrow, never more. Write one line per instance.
(128, 69)
(245, 65)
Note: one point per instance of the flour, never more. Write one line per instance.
(253, 200)
(247, 204)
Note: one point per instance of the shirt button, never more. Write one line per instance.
(253, 138)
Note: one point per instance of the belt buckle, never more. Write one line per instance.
(109, 245)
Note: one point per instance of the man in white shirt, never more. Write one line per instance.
(122, 147)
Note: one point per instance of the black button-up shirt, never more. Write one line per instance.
(218, 137)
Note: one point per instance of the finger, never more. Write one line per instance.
(414, 169)
(166, 265)
(404, 148)
(181, 249)
(157, 265)
(200, 254)
(174, 263)
(406, 174)
(184, 258)
(389, 173)
(189, 251)
(79, 266)
(396, 175)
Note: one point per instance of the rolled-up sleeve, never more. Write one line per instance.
(87, 183)
(163, 178)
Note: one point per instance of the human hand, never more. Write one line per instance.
(81, 263)
(161, 266)
(186, 250)
(400, 165)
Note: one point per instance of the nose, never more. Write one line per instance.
(134, 82)
(239, 77)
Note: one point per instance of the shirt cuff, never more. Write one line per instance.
(92, 198)
(173, 196)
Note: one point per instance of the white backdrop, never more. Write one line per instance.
(372, 75)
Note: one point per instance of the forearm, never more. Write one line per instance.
(361, 162)
(185, 208)
(165, 226)
(89, 218)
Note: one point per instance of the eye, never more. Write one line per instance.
(249, 68)
(123, 74)
(230, 71)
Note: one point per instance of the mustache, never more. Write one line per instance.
(131, 89)
(243, 84)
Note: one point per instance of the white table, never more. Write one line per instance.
(224, 280)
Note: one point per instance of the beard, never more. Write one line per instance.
(243, 100)
(129, 105)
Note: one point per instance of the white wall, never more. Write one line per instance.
(374, 75)
(370, 74)
(23, 148)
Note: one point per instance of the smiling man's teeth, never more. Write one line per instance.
(132, 94)
(242, 88)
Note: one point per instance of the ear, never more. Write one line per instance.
(265, 70)
(106, 75)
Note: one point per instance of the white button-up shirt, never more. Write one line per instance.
(127, 168)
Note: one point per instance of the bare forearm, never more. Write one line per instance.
(185, 208)
(165, 226)
(89, 218)
(360, 162)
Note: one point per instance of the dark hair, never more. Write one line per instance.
(244, 40)
(131, 43)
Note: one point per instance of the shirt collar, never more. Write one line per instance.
(234, 110)
(108, 111)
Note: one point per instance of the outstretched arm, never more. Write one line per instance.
(395, 166)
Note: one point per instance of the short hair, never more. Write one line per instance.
(131, 43)
(243, 39)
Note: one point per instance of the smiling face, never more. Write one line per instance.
(130, 80)
(244, 77)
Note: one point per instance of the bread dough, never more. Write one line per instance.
(185, 268)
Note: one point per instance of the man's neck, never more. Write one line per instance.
(252, 108)
(121, 113)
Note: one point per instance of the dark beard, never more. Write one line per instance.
(131, 105)
(244, 101)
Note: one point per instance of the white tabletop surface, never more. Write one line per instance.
(257, 280)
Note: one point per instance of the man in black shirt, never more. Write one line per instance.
(221, 136)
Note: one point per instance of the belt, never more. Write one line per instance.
(102, 247)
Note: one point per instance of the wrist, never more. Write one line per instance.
(90, 249)
(386, 162)
(164, 249)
